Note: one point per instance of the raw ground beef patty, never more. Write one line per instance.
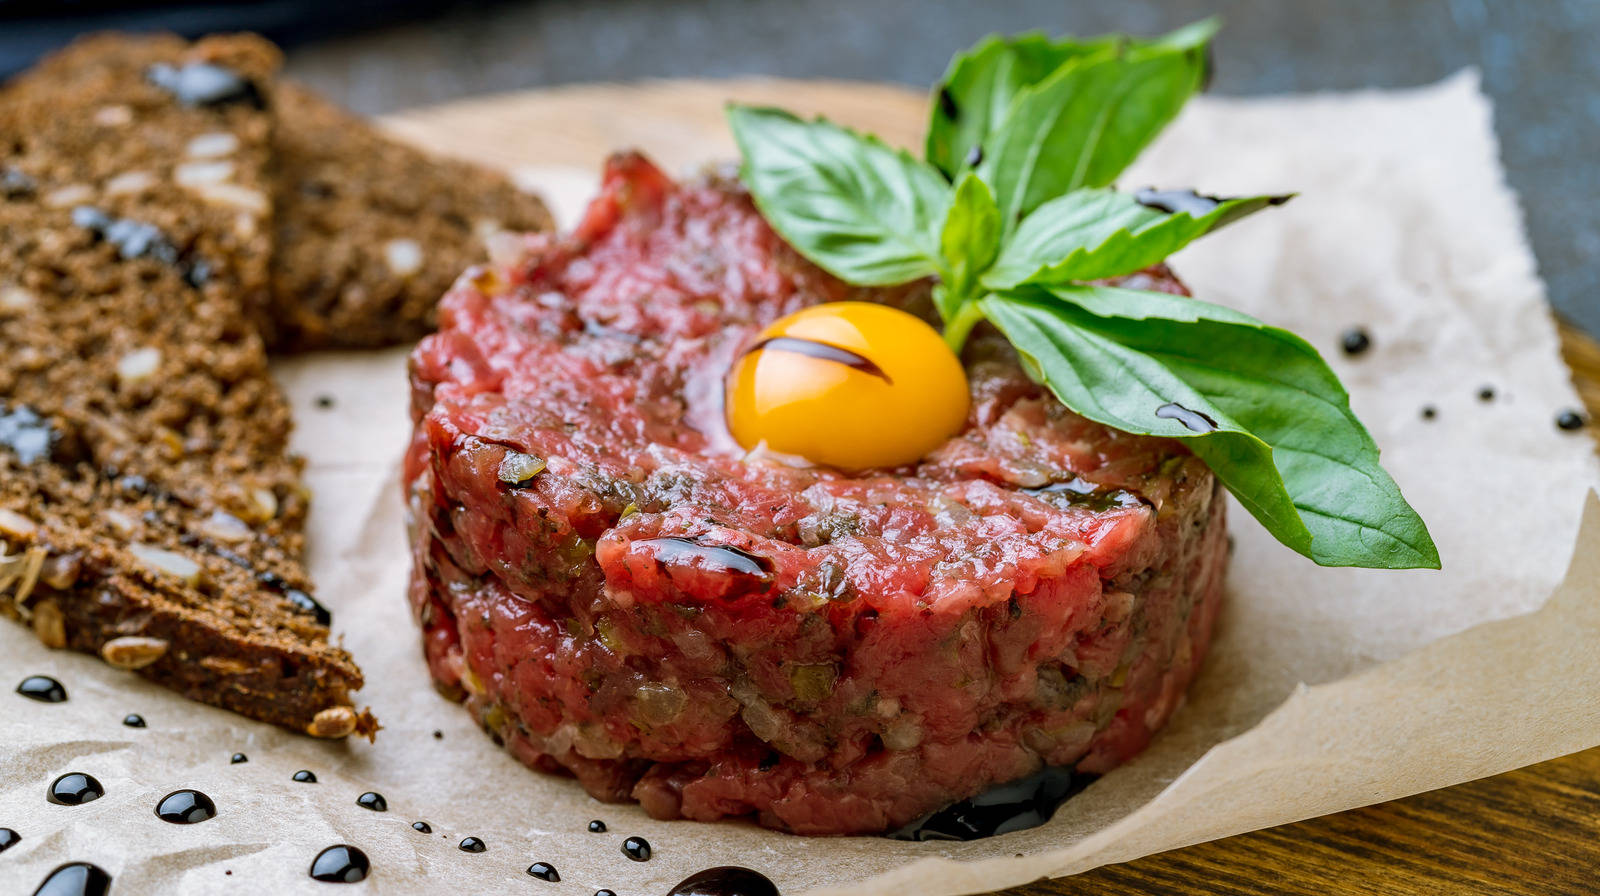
(617, 591)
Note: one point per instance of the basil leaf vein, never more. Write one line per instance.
(858, 209)
(1284, 441)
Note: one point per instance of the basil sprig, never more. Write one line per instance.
(1011, 214)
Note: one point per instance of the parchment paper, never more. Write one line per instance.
(1325, 690)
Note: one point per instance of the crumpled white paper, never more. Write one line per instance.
(1325, 689)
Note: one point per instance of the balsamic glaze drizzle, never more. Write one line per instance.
(822, 351)
(74, 789)
(341, 864)
(727, 880)
(1192, 420)
(637, 849)
(1021, 804)
(675, 547)
(42, 688)
(186, 807)
(75, 879)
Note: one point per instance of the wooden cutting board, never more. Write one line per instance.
(1533, 831)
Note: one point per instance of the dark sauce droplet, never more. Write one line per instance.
(1193, 421)
(1569, 420)
(597, 827)
(422, 827)
(1195, 205)
(637, 849)
(473, 844)
(186, 807)
(437, 734)
(1429, 412)
(8, 839)
(544, 871)
(305, 777)
(42, 688)
(726, 557)
(1486, 393)
(325, 401)
(1355, 341)
(76, 879)
(373, 801)
(821, 351)
(238, 758)
(1024, 803)
(74, 789)
(309, 605)
(341, 864)
(133, 720)
(728, 880)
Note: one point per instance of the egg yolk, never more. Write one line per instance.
(850, 385)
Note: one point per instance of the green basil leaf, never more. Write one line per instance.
(1084, 124)
(975, 95)
(1094, 234)
(968, 243)
(1256, 403)
(860, 210)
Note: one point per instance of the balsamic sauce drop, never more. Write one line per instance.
(305, 777)
(8, 839)
(133, 720)
(1486, 393)
(42, 688)
(422, 827)
(727, 557)
(1194, 421)
(186, 807)
(728, 880)
(309, 605)
(821, 351)
(473, 844)
(373, 801)
(637, 849)
(1355, 341)
(341, 864)
(238, 758)
(544, 871)
(1429, 412)
(76, 879)
(74, 789)
(1569, 420)
(1024, 803)
(597, 827)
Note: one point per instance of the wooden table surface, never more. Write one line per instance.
(1531, 831)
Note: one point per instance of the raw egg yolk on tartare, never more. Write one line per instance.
(852, 385)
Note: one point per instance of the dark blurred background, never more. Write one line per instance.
(1540, 61)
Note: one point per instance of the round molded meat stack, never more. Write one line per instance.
(619, 592)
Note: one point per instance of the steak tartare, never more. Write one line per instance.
(618, 591)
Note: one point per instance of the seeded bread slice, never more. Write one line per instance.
(372, 232)
(150, 511)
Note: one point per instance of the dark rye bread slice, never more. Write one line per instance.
(371, 232)
(149, 508)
